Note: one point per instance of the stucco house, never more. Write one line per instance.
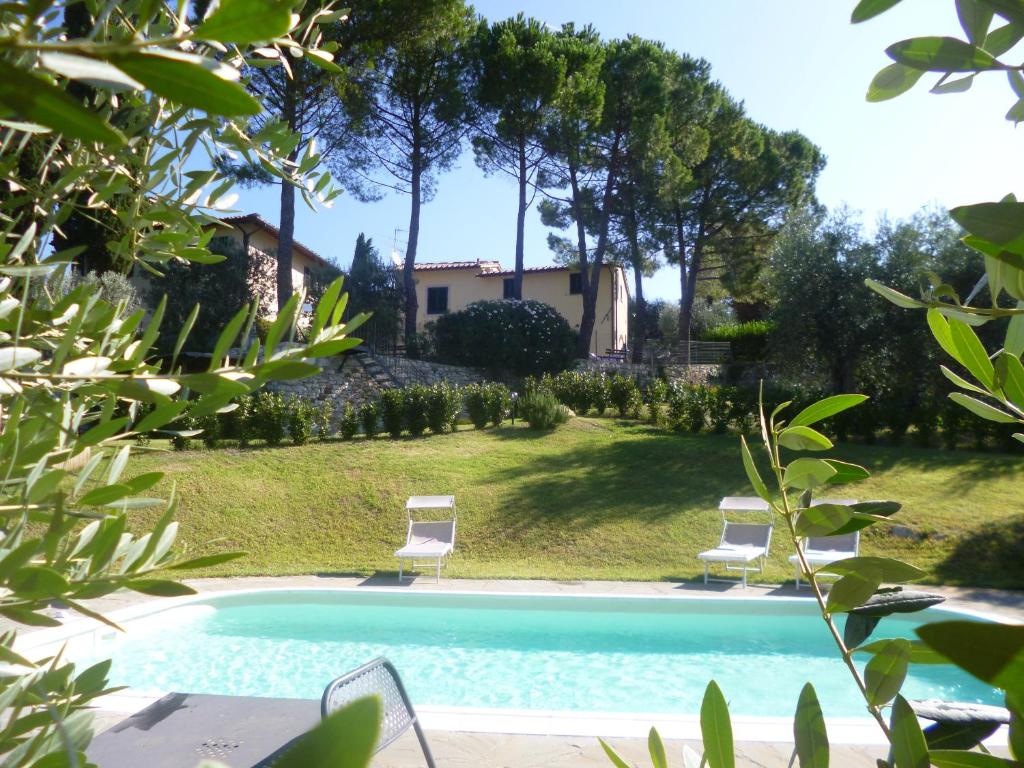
(253, 233)
(449, 286)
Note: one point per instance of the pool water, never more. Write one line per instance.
(550, 653)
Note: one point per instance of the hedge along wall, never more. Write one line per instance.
(354, 379)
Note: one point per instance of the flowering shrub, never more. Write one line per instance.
(506, 338)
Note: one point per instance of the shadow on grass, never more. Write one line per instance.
(990, 556)
(970, 467)
(622, 480)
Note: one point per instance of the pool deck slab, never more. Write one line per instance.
(487, 743)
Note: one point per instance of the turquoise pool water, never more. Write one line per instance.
(552, 653)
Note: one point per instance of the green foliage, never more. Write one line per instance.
(657, 396)
(414, 98)
(373, 288)
(540, 408)
(600, 393)
(574, 389)
(506, 338)
(749, 340)
(392, 411)
(300, 417)
(112, 287)
(212, 427)
(623, 392)
(443, 405)
(269, 417)
(415, 398)
(349, 426)
(474, 398)
(220, 290)
(369, 417)
(521, 71)
(86, 374)
(498, 400)
(322, 419)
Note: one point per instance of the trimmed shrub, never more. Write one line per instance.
(300, 421)
(237, 423)
(622, 391)
(718, 407)
(572, 388)
(443, 405)
(392, 411)
(186, 423)
(269, 417)
(506, 338)
(369, 417)
(498, 401)
(211, 427)
(657, 394)
(541, 410)
(349, 422)
(414, 405)
(475, 398)
(322, 419)
(600, 392)
(749, 341)
(686, 408)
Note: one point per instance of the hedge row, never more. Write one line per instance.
(749, 340)
(414, 409)
(932, 419)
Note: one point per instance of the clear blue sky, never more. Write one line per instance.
(797, 64)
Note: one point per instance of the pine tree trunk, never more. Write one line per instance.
(582, 349)
(641, 312)
(408, 273)
(688, 280)
(589, 319)
(517, 281)
(285, 240)
(286, 225)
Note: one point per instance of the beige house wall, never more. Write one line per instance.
(266, 243)
(466, 285)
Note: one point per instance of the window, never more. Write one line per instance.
(575, 283)
(306, 275)
(437, 300)
(508, 288)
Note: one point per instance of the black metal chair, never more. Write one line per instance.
(378, 678)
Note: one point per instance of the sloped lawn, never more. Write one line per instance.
(596, 499)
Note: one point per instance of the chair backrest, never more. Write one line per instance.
(747, 534)
(422, 532)
(844, 542)
(377, 678)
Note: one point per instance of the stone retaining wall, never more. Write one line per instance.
(695, 374)
(406, 371)
(358, 378)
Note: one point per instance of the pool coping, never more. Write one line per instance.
(850, 731)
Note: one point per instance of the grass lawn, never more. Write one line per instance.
(596, 499)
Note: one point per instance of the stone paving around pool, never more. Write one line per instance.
(455, 749)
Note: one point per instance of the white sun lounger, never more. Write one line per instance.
(820, 551)
(743, 546)
(427, 539)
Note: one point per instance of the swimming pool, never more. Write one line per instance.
(566, 653)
